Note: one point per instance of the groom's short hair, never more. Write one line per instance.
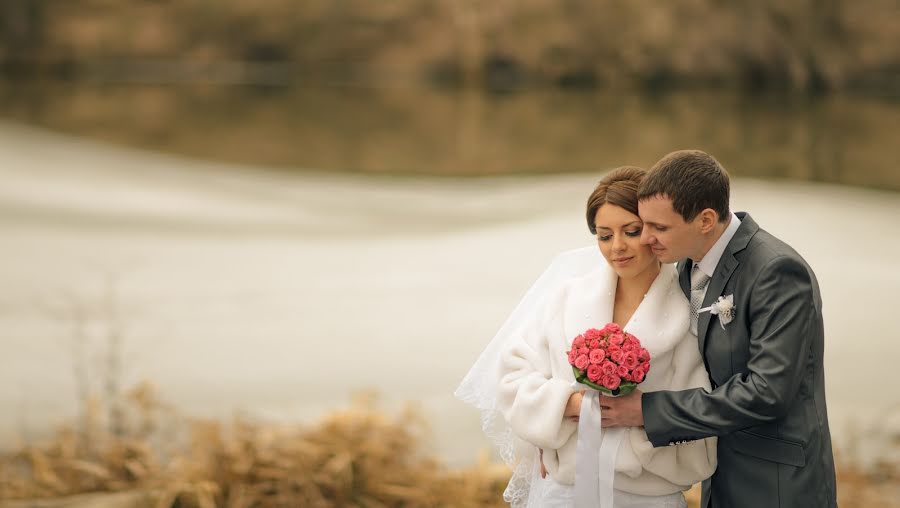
(693, 180)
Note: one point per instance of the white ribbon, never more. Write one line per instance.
(595, 455)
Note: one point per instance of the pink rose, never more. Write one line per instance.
(618, 357)
(628, 347)
(612, 328)
(610, 381)
(594, 373)
(597, 356)
(595, 344)
(583, 351)
(637, 375)
(571, 357)
(581, 362)
(622, 371)
(612, 348)
(592, 334)
(630, 360)
(644, 355)
(617, 339)
(578, 342)
(609, 368)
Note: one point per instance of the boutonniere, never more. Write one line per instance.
(723, 307)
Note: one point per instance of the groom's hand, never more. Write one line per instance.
(622, 411)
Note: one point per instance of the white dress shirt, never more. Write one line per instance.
(710, 261)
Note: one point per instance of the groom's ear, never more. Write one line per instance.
(708, 219)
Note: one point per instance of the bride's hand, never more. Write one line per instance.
(573, 406)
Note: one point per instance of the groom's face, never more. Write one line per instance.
(666, 232)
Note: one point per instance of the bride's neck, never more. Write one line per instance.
(638, 285)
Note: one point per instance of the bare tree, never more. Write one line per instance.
(95, 330)
(71, 310)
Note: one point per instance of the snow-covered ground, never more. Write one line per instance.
(283, 293)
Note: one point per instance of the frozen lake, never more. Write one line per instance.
(283, 293)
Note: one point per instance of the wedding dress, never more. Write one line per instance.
(575, 293)
(547, 493)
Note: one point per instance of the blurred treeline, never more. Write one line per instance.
(787, 44)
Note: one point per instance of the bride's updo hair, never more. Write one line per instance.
(619, 187)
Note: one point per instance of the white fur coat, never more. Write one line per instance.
(536, 380)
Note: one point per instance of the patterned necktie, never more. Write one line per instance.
(699, 280)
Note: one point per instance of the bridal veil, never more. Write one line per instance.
(479, 387)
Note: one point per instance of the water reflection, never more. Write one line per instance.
(839, 139)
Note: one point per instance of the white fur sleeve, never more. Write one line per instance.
(531, 399)
(683, 464)
(690, 462)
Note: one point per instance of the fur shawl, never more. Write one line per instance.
(536, 380)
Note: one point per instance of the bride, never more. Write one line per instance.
(525, 388)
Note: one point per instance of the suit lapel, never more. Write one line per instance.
(723, 272)
(684, 277)
(726, 267)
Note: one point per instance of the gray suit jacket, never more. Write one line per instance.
(767, 403)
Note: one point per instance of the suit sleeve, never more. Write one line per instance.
(531, 399)
(690, 462)
(782, 309)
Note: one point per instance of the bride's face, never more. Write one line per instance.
(619, 238)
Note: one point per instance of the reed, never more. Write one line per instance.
(359, 456)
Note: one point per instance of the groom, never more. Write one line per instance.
(763, 356)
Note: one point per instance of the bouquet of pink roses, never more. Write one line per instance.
(610, 360)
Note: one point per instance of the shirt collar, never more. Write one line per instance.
(709, 262)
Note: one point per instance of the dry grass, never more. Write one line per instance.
(355, 457)
(876, 485)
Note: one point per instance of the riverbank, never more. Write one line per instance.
(359, 456)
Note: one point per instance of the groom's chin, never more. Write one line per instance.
(664, 256)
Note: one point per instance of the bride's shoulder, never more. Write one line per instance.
(665, 290)
(668, 275)
(587, 285)
(570, 268)
(669, 272)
